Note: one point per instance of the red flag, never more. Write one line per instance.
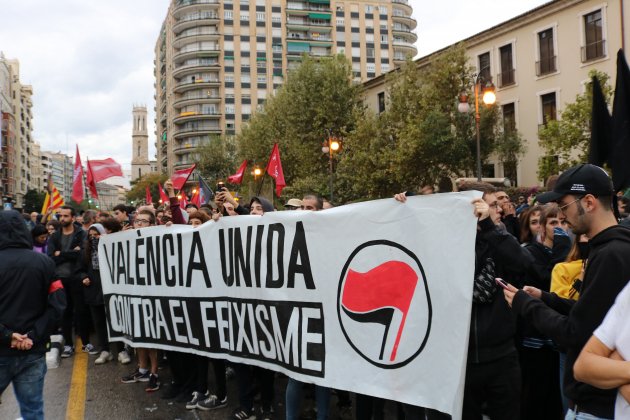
(77, 179)
(180, 177)
(148, 199)
(183, 202)
(163, 195)
(237, 178)
(274, 168)
(195, 199)
(103, 169)
(368, 295)
(91, 183)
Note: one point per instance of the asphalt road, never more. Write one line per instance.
(79, 389)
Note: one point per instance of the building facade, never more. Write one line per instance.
(17, 132)
(59, 167)
(140, 164)
(217, 61)
(539, 61)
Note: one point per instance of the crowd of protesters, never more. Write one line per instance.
(541, 344)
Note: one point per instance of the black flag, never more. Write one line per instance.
(621, 126)
(601, 124)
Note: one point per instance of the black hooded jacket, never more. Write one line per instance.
(266, 204)
(570, 324)
(31, 300)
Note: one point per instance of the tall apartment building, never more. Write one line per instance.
(539, 61)
(217, 61)
(59, 167)
(17, 128)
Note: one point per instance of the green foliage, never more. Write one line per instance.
(568, 137)
(138, 187)
(218, 159)
(317, 96)
(34, 200)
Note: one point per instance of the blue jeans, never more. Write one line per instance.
(294, 400)
(582, 416)
(27, 374)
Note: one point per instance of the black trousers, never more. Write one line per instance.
(251, 379)
(493, 388)
(100, 325)
(76, 312)
(541, 398)
(201, 373)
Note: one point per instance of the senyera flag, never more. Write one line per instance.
(77, 179)
(274, 168)
(53, 199)
(180, 177)
(237, 178)
(103, 169)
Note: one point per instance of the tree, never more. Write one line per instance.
(218, 158)
(34, 200)
(565, 141)
(138, 187)
(318, 95)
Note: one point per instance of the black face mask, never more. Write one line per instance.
(583, 249)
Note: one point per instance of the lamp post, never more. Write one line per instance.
(331, 146)
(488, 98)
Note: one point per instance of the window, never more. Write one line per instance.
(260, 16)
(245, 78)
(229, 109)
(546, 52)
(369, 8)
(228, 15)
(384, 67)
(484, 66)
(340, 21)
(593, 36)
(370, 67)
(244, 16)
(355, 37)
(548, 103)
(261, 78)
(356, 52)
(506, 77)
(383, 39)
(509, 117)
(369, 52)
(369, 37)
(276, 18)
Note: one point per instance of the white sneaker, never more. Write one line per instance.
(104, 358)
(123, 357)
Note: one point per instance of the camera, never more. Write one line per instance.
(220, 186)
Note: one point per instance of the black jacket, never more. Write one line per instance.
(31, 300)
(72, 256)
(493, 326)
(94, 292)
(571, 323)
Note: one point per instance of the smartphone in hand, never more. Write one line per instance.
(502, 283)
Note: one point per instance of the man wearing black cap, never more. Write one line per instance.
(584, 194)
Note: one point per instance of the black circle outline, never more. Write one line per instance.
(426, 286)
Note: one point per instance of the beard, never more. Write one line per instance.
(65, 223)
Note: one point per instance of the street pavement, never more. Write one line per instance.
(79, 389)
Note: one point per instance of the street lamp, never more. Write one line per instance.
(331, 145)
(488, 97)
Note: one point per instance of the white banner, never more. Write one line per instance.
(373, 298)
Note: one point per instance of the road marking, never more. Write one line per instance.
(76, 397)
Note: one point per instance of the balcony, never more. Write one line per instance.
(546, 65)
(197, 84)
(196, 99)
(404, 32)
(405, 19)
(194, 66)
(506, 78)
(593, 51)
(189, 52)
(183, 7)
(183, 148)
(196, 19)
(302, 9)
(402, 5)
(199, 130)
(304, 24)
(197, 35)
(195, 116)
(406, 46)
(308, 37)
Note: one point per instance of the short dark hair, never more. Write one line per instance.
(319, 200)
(89, 216)
(192, 205)
(484, 187)
(73, 212)
(121, 208)
(148, 213)
(201, 215)
(112, 225)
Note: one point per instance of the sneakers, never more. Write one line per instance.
(243, 414)
(135, 376)
(196, 397)
(154, 383)
(212, 403)
(104, 357)
(89, 348)
(67, 352)
(123, 357)
(266, 413)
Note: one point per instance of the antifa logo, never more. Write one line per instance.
(383, 294)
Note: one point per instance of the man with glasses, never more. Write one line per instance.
(584, 194)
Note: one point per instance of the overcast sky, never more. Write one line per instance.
(89, 62)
